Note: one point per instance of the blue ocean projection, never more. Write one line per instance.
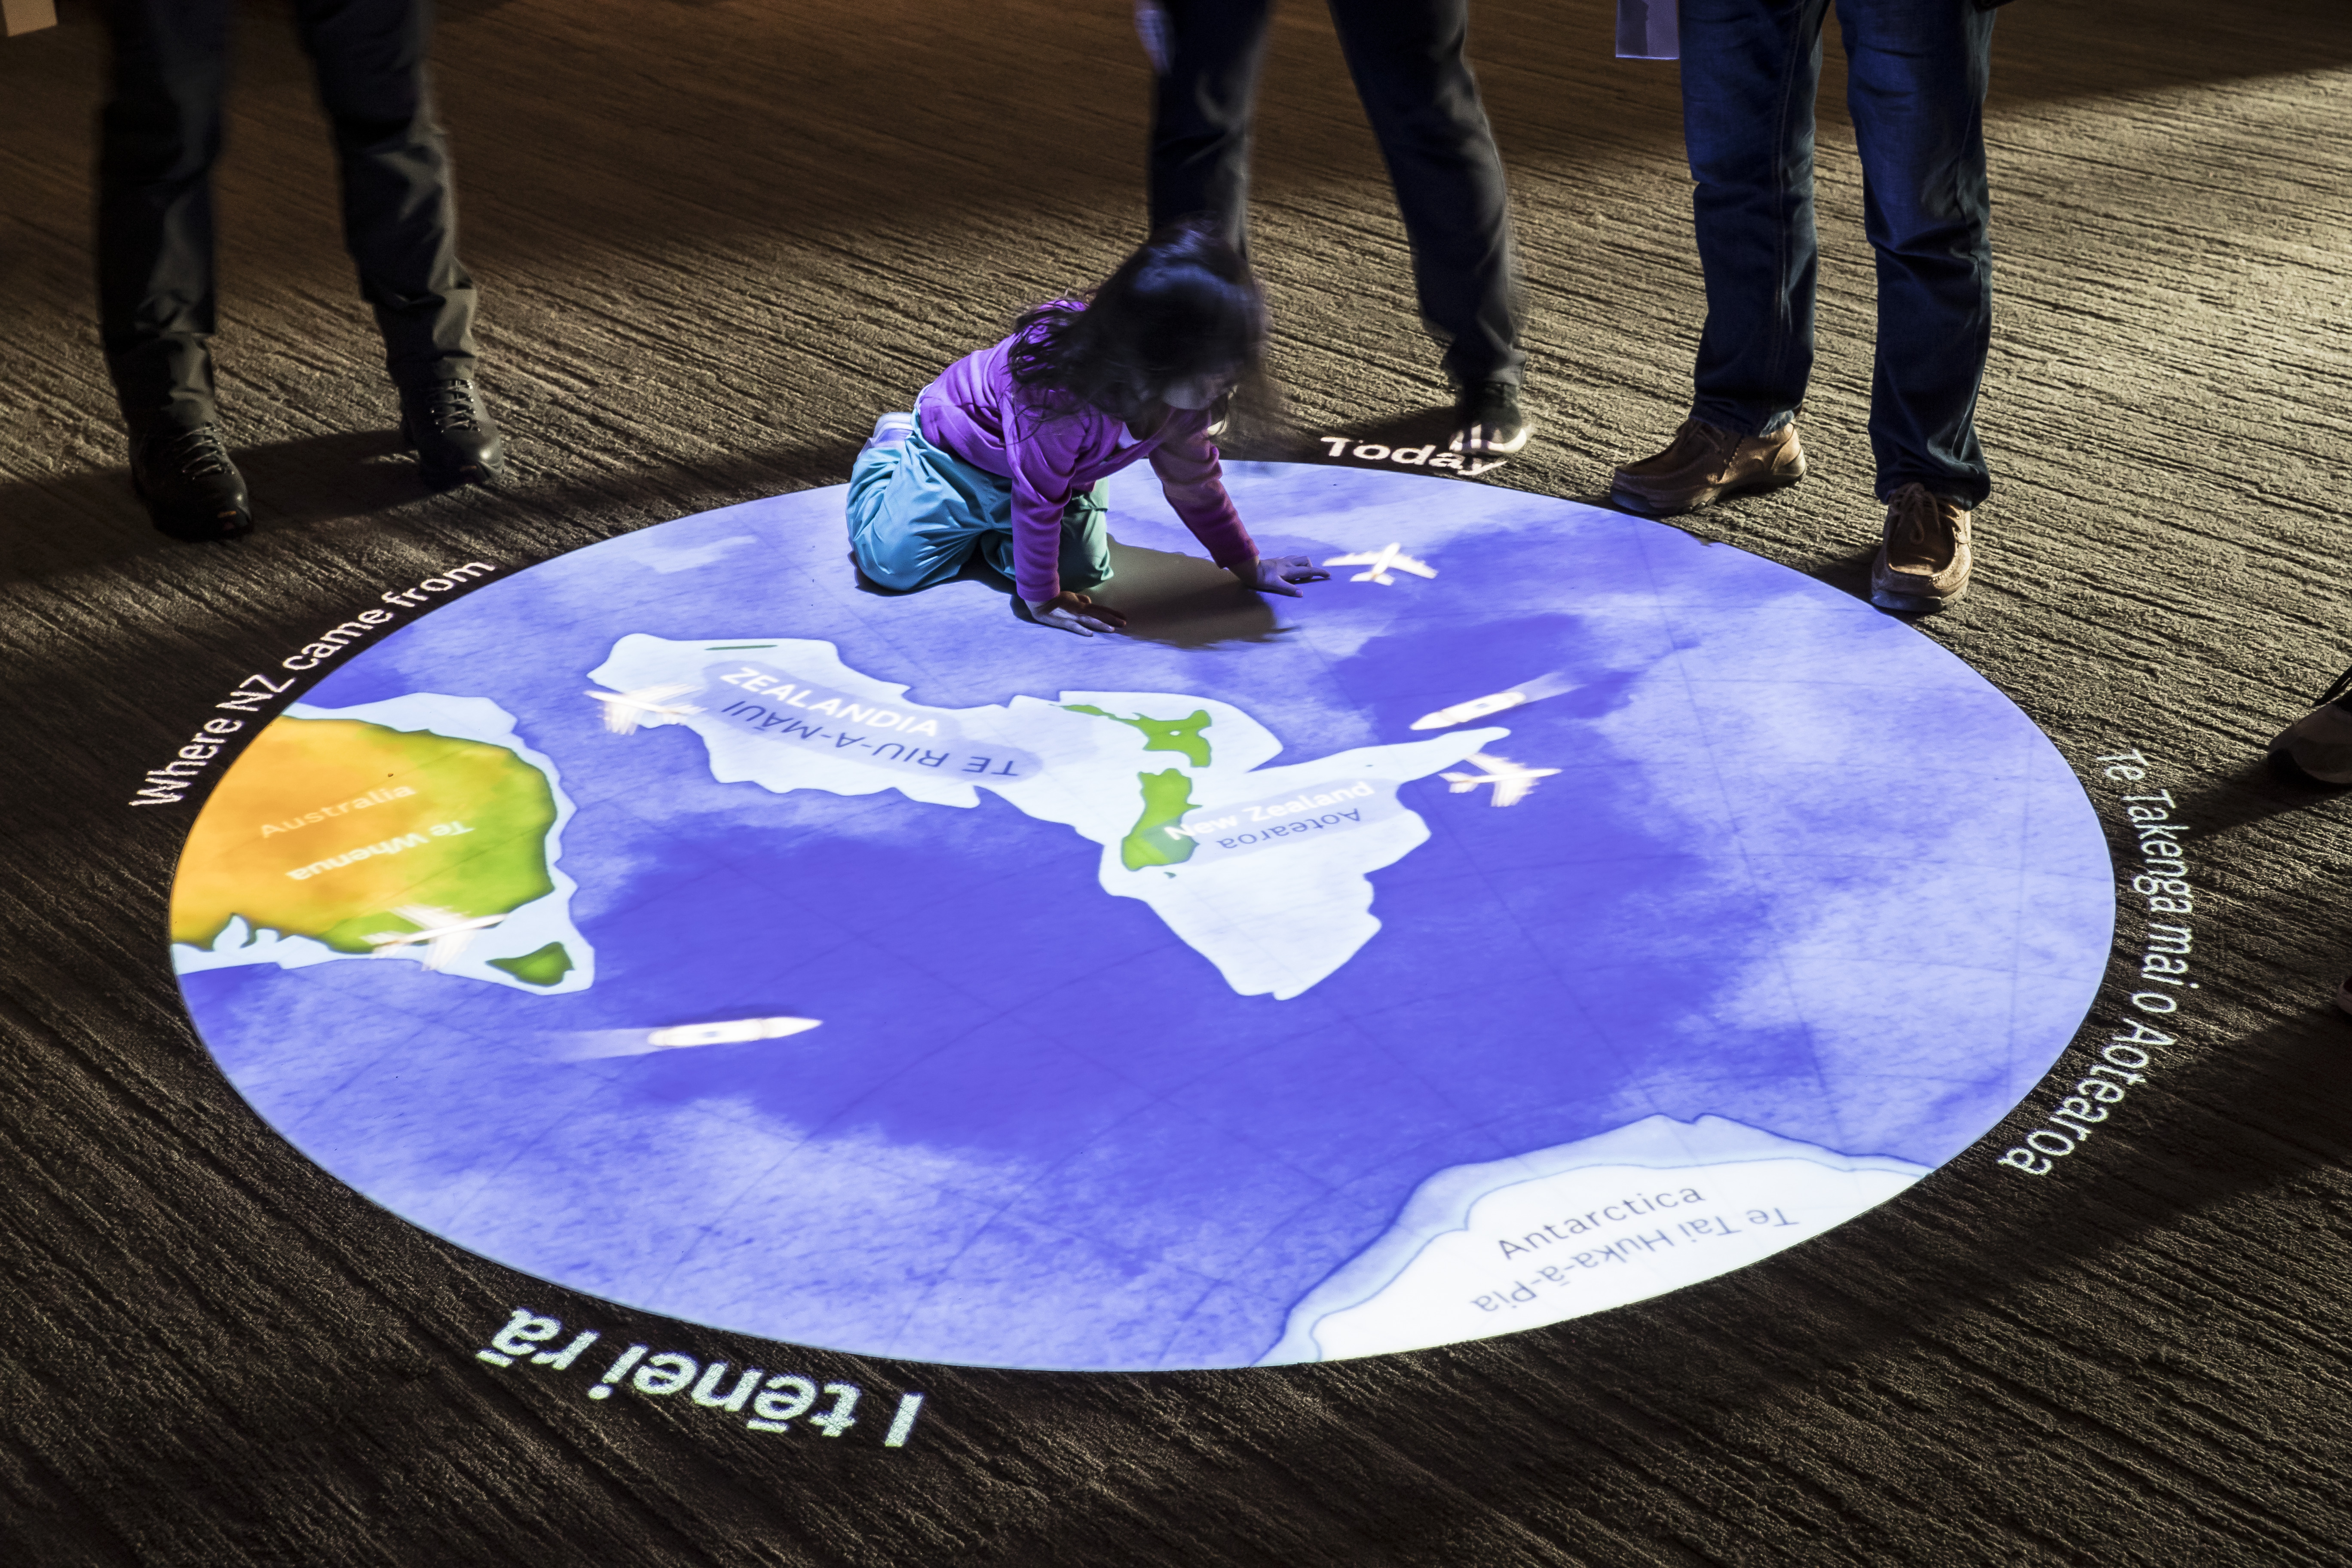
(1549, 910)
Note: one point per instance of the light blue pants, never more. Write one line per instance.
(917, 513)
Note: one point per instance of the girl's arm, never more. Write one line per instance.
(1044, 455)
(1194, 484)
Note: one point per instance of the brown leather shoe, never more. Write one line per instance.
(1923, 562)
(1704, 464)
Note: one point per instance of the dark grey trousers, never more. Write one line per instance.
(1423, 102)
(160, 134)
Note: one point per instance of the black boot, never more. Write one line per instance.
(191, 489)
(457, 441)
(1487, 421)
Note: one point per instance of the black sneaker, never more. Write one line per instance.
(457, 441)
(192, 490)
(1487, 420)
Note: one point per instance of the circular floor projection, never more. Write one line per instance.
(1549, 911)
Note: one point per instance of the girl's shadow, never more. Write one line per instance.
(1182, 600)
(89, 518)
(1169, 598)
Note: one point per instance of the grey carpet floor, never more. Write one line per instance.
(714, 238)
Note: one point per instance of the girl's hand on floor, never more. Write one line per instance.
(1072, 612)
(1275, 573)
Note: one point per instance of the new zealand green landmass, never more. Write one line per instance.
(1180, 736)
(1167, 796)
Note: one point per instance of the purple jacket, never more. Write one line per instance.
(1052, 460)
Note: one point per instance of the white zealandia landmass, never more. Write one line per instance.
(1264, 871)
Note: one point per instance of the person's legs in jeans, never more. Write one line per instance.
(399, 213)
(1918, 77)
(1201, 115)
(158, 136)
(1406, 56)
(1750, 69)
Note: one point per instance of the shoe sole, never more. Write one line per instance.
(2286, 769)
(1702, 498)
(1488, 449)
(1889, 591)
(443, 479)
(447, 479)
(1898, 601)
(193, 528)
(1910, 603)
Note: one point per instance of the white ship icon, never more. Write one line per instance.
(1541, 687)
(734, 1032)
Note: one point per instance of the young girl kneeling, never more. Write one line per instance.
(1006, 452)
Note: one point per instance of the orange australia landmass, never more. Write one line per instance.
(328, 827)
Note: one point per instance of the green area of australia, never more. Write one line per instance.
(542, 966)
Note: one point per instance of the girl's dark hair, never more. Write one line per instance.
(1183, 305)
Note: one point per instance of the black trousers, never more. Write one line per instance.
(1423, 102)
(158, 136)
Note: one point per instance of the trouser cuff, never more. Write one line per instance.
(1966, 494)
(164, 382)
(1745, 419)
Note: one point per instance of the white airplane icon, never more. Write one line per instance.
(1534, 690)
(624, 710)
(443, 933)
(1381, 562)
(1511, 781)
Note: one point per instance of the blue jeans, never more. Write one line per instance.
(918, 512)
(1917, 72)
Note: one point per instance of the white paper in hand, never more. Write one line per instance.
(1649, 30)
(1159, 38)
